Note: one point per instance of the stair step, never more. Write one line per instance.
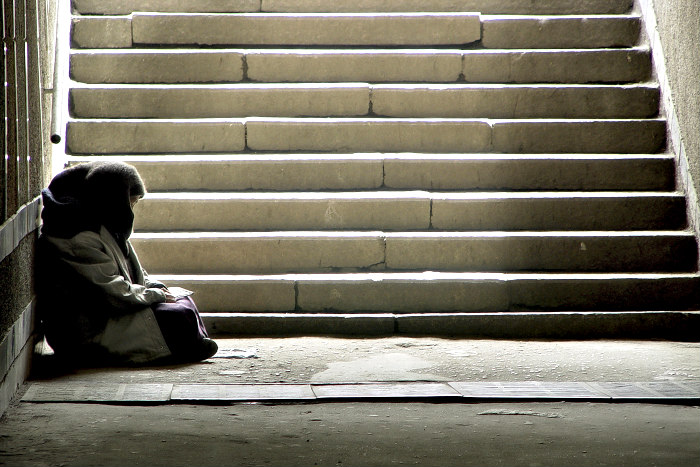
(435, 292)
(357, 29)
(413, 210)
(307, 29)
(314, 29)
(670, 325)
(541, 7)
(354, 99)
(403, 171)
(318, 252)
(552, 32)
(134, 136)
(220, 101)
(154, 136)
(455, 135)
(375, 66)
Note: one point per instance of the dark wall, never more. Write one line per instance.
(25, 102)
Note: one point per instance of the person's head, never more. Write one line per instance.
(89, 195)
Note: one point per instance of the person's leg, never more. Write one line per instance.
(184, 331)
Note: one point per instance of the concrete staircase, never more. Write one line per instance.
(373, 166)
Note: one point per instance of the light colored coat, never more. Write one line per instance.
(131, 332)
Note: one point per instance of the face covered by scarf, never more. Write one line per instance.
(90, 195)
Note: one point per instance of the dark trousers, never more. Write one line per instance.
(181, 325)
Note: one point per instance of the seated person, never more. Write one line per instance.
(96, 303)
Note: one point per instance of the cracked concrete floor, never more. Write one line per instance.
(336, 360)
(374, 433)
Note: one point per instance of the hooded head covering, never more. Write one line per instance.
(90, 195)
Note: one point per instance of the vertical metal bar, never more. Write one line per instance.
(11, 110)
(60, 73)
(3, 115)
(22, 77)
(35, 107)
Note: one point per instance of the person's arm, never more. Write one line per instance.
(150, 283)
(88, 258)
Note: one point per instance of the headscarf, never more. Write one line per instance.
(90, 195)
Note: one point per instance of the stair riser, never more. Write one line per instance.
(514, 7)
(281, 214)
(411, 213)
(541, 7)
(632, 136)
(280, 29)
(365, 135)
(133, 137)
(335, 101)
(633, 213)
(270, 175)
(554, 33)
(441, 296)
(460, 173)
(413, 29)
(285, 254)
(162, 66)
(357, 100)
(436, 66)
(678, 326)
(533, 174)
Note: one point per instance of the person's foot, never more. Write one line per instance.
(207, 349)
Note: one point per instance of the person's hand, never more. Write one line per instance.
(169, 298)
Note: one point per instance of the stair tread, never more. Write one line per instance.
(208, 236)
(213, 87)
(428, 276)
(302, 157)
(557, 6)
(350, 120)
(412, 194)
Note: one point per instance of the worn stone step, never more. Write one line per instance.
(220, 101)
(285, 252)
(129, 136)
(670, 325)
(357, 65)
(411, 210)
(435, 292)
(541, 7)
(156, 66)
(308, 29)
(404, 171)
(581, 136)
(557, 66)
(456, 135)
(565, 32)
(346, 135)
(568, 7)
(356, 99)
(373, 29)
(357, 29)
(558, 211)
(515, 101)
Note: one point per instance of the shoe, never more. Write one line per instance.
(207, 349)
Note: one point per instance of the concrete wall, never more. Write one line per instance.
(673, 30)
(25, 104)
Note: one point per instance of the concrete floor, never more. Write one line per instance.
(374, 433)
